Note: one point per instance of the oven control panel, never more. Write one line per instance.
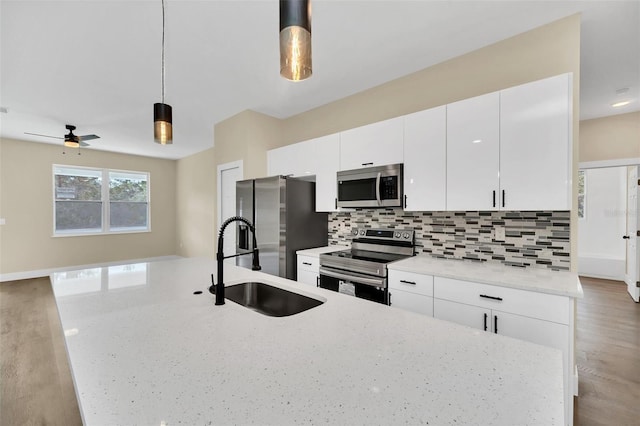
(384, 234)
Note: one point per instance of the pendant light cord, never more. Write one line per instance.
(163, 51)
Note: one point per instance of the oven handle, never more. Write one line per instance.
(378, 188)
(352, 277)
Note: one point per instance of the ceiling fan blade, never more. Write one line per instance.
(88, 137)
(46, 136)
(84, 144)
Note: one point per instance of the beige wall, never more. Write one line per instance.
(545, 51)
(26, 202)
(610, 138)
(196, 204)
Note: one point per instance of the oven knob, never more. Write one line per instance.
(362, 232)
(354, 232)
(405, 235)
(397, 235)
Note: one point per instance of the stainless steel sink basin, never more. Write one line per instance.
(269, 300)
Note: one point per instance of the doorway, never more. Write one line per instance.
(608, 223)
(228, 175)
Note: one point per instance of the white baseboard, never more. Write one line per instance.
(13, 276)
(600, 267)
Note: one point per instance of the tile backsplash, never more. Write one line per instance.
(532, 239)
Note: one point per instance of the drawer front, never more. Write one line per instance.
(549, 307)
(308, 263)
(410, 282)
(412, 302)
(308, 277)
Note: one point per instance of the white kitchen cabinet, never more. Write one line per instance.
(325, 154)
(410, 291)
(425, 160)
(535, 145)
(308, 270)
(473, 148)
(545, 319)
(290, 160)
(319, 157)
(375, 144)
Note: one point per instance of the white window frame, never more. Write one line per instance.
(106, 203)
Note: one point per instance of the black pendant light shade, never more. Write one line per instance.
(162, 119)
(162, 116)
(295, 39)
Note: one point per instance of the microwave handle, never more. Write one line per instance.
(378, 188)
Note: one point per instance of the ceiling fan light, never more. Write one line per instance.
(295, 39)
(71, 143)
(163, 127)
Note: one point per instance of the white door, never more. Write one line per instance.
(375, 144)
(473, 153)
(425, 160)
(631, 272)
(535, 145)
(228, 175)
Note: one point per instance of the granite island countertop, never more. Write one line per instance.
(144, 349)
(563, 283)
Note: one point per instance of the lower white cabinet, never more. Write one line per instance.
(412, 292)
(308, 270)
(545, 319)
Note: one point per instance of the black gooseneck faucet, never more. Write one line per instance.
(218, 289)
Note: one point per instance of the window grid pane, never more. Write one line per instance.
(79, 205)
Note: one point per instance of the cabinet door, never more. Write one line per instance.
(425, 160)
(535, 145)
(473, 153)
(288, 160)
(325, 154)
(411, 302)
(375, 144)
(469, 315)
(308, 277)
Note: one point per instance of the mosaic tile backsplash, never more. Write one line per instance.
(532, 239)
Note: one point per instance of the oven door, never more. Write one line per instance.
(359, 285)
(370, 187)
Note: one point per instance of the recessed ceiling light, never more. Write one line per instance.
(476, 141)
(620, 104)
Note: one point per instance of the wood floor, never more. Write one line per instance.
(37, 389)
(608, 355)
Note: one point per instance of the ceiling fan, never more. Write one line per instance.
(70, 140)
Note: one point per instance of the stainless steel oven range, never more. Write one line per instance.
(362, 270)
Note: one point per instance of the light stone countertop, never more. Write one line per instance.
(316, 252)
(145, 350)
(541, 280)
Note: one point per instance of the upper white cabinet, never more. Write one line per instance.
(375, 144)
(290, 160)
(425, 160)
(473, 147)
(319, 157)
(535, 145)
(325, 155)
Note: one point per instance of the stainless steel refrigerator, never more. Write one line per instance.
(283, 213)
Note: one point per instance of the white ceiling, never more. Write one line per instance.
(96, 63)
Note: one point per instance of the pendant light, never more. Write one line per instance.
(295, 39)
(162, 118)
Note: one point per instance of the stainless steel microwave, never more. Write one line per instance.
(371, 187)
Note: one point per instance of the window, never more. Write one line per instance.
(94, 201)
(581, 193)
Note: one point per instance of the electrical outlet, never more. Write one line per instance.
(498, 233)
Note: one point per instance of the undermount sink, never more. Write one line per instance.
(269, 300)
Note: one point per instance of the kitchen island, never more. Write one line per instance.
(144, 349)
